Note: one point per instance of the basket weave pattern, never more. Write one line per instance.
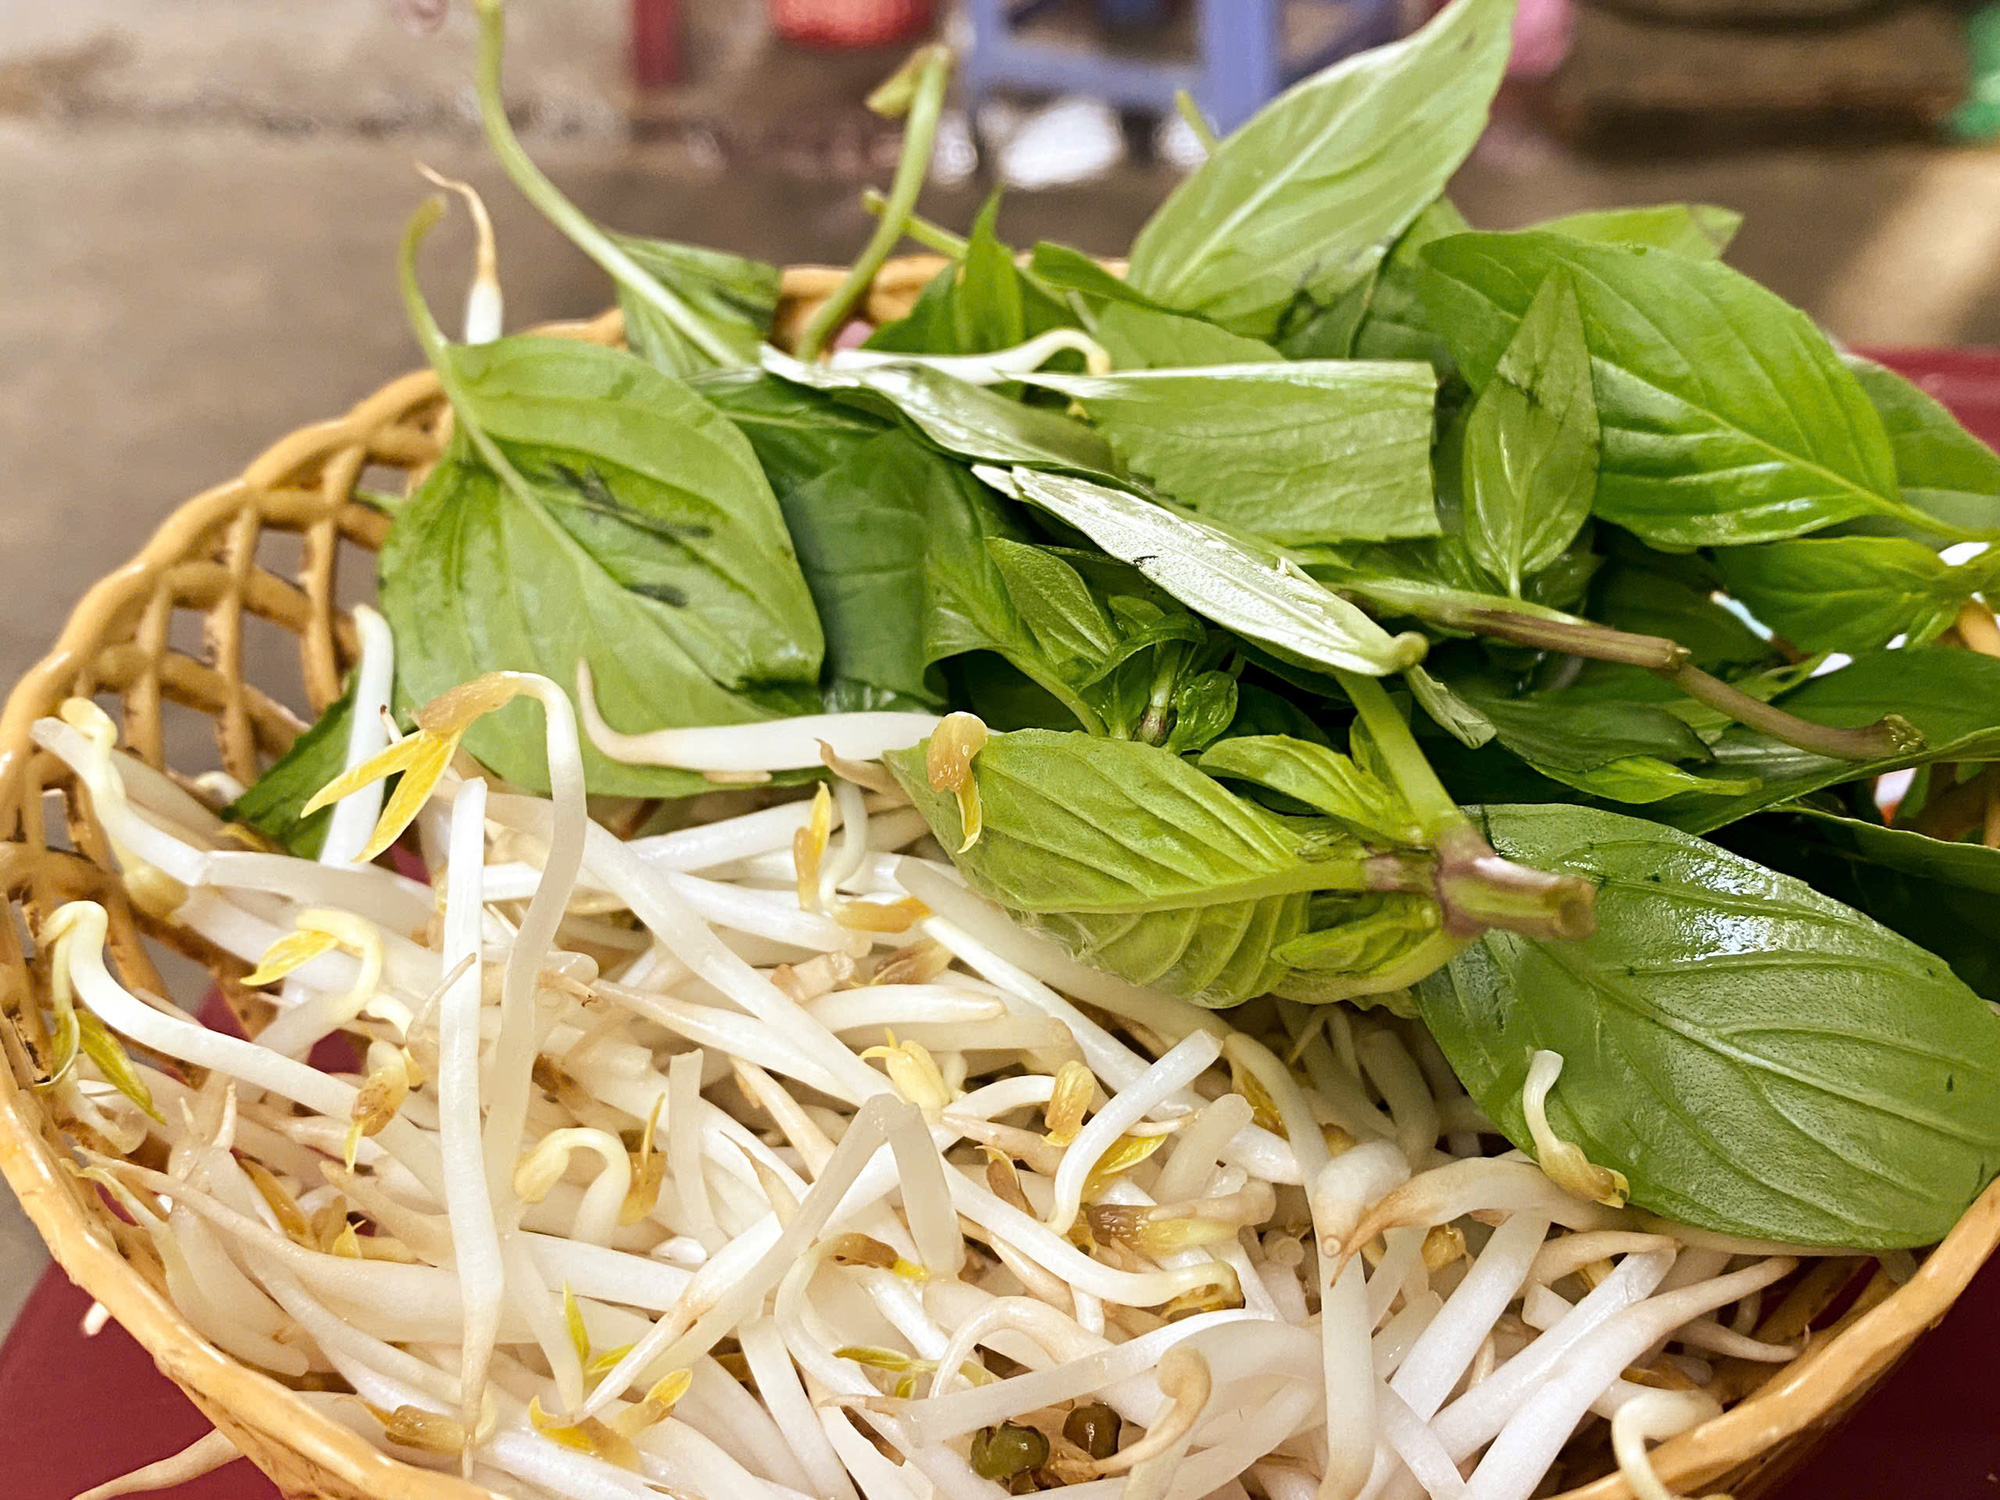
(119, 644)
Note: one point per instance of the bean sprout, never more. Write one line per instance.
(690, 1174)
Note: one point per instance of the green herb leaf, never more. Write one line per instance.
(1204, 706)
(1699, 230)
(1139, 338)
(1755, 1058)
(1944, 471)
(649, 543)
(1679, 606)
(734, 299)
(963, 419)
(271, 803)
(1941, 896)
(1852, 593)
(1326, 450)
(797, 434)
(1322, 779)
(1726, 416)
(1309, 194)
(1952, 697)
(1255, 594)
(1531, 442)
(1135, 860)
(1394, 324)
(977, 305)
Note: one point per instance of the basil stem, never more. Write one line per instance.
(927, 74)
(1476, 887)
(565, 215)
(924, 231)
(1436, 812)
(1890, 735)
(1190, 112)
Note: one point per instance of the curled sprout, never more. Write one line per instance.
(1563, 1160)
(948, 764)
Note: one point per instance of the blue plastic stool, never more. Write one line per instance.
(1241, 64)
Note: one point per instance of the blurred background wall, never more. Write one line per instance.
(200, 199)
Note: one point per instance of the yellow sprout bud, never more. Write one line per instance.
(919, 963)
(290, 952)
(579, 1336)
(1443, 1245)
(881, 916)
(914, 1073)
(948, 763)
(425, 1431)
(284, 1207)
(1126, 1153)
(809, 848)
(1069, 1097)
(153, 890)
(1563, 1161)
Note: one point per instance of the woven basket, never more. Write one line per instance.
(267, 547)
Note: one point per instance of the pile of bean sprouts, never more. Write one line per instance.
(760, 1159)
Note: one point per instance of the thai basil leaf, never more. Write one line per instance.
(929, 327)
(648, 544)
(861, 530)
(1974, 866)
(1139, 338)
(1851, 593)
(1322, 779)
(1700, 230)
(1071, 270)
(1448, 710)
(912, 562)
(980, 304)
(963, 419)
(1726, 416)
(1357, 937)
(1640, 779)
(1309, 193)
(1531, 442)
(734, 297)
(1204, 706)
(1944, 471)
(663, 492)
(1072, 629)
(1395, 325)
(1952, 697)
(796, 434)
(1941, 896)
(1243, 589)
(1325, 450)
(271, 803)
(1618, 750)
(1755, 1058)
(1135, 860)
(988, 309)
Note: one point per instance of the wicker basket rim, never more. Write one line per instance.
(249, 1405)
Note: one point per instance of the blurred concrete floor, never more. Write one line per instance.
(197, 258)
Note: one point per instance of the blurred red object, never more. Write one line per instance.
(850, 23)
(656, 42)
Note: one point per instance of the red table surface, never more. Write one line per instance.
(79, 1411)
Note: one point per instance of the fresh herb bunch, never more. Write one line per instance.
(1354, 600)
